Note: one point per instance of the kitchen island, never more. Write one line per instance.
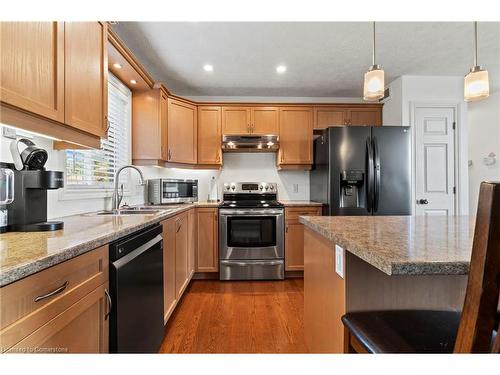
(379, 263)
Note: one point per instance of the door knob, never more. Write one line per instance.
(422, 201)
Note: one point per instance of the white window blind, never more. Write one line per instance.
(97, 168)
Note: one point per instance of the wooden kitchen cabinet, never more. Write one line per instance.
(82, 328)
(86, 76)
(192, 230)
(182, 132)
(149, 127)
(325, 117)
(209, 135)
(296, 137)
(264, 120)
(207, 251)
(32, 61)
(236, 120)
(294, 236)
(365, 116)
(181, 254)
(64, 306)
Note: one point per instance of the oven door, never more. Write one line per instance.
(251, 234)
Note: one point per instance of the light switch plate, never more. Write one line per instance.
(339, 260)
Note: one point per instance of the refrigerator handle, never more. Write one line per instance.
(369, 175)
(376, 182)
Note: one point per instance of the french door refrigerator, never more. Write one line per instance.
(363, 170)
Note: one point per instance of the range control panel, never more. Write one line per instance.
(250, 187)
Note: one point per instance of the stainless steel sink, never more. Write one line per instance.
(128, 211)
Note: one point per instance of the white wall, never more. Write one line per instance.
(410, 90)
(484, 137)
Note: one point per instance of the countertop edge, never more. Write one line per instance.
(389, 267)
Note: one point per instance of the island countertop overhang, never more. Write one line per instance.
(402, 245)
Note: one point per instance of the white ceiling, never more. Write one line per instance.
(323, 59)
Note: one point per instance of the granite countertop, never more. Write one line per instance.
(300, 203)
(25, 253)
(402, 245)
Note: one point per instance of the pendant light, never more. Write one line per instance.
(374, 79)
(476, 82)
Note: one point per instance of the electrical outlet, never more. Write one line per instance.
(9, 132)
(339, 260)
(295, 188)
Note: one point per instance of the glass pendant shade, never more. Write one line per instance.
(374, 84)
(476, 85)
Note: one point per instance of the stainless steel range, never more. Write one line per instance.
(251, 232)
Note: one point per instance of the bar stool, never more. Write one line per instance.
(474, 330)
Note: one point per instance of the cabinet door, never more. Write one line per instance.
(86, 76)
(294, 236)
(296, 135)
(236, 120)
(82, 328)
(265, 120)
(32, 61)
(163, 125)
(207, 258)
(182, 132)
(325, 117)
(209, 135)
(365, 116)
(181, 254)
(191, 242)
(169, 297)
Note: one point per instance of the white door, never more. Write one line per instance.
(435, 160)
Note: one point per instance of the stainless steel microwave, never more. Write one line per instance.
(167, 190)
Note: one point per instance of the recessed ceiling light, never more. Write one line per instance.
(281, 69)
(133, 81)
(117, 66)
(208, 68)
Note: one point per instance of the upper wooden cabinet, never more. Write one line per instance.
(365, 116)
(296, 137)
(32, 61)
(149, 127)
(250, 120)
(209, 135)
(182, 132)
(236, 120)
(86, 76)
(342, 114)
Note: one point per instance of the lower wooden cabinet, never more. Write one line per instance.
(62, 309)
(181, 254)
(169, 293)
(294, 236)
(191, 242)
(82, 328)
(207, 251)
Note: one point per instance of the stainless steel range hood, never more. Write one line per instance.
(250, 143)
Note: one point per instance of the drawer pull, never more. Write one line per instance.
(53, 293)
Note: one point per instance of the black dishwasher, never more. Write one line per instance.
(136, 283)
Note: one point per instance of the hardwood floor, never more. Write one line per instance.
(238, 317)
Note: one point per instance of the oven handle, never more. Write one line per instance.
(250, 212)
(259, 263)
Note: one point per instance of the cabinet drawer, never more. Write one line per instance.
(29, 303)
(293, 213)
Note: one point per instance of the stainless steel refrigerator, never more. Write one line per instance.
(363, 170)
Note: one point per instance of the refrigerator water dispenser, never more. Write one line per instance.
(351, 182)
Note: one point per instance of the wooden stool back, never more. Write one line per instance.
(479, 316)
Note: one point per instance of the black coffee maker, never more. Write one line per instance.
(28, 211)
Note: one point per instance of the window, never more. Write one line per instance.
(96, 168)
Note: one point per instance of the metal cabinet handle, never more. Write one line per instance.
(286, 229)
(110, 304)
(178, 228)
(53, 293)
(169, 154)
(108, 123)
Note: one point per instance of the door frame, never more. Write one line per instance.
(461, 182)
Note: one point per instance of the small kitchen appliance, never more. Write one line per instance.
(28, 211)
(251, 232)
(169, 190)
(6, 194)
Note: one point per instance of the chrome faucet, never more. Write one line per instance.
(117, 198)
